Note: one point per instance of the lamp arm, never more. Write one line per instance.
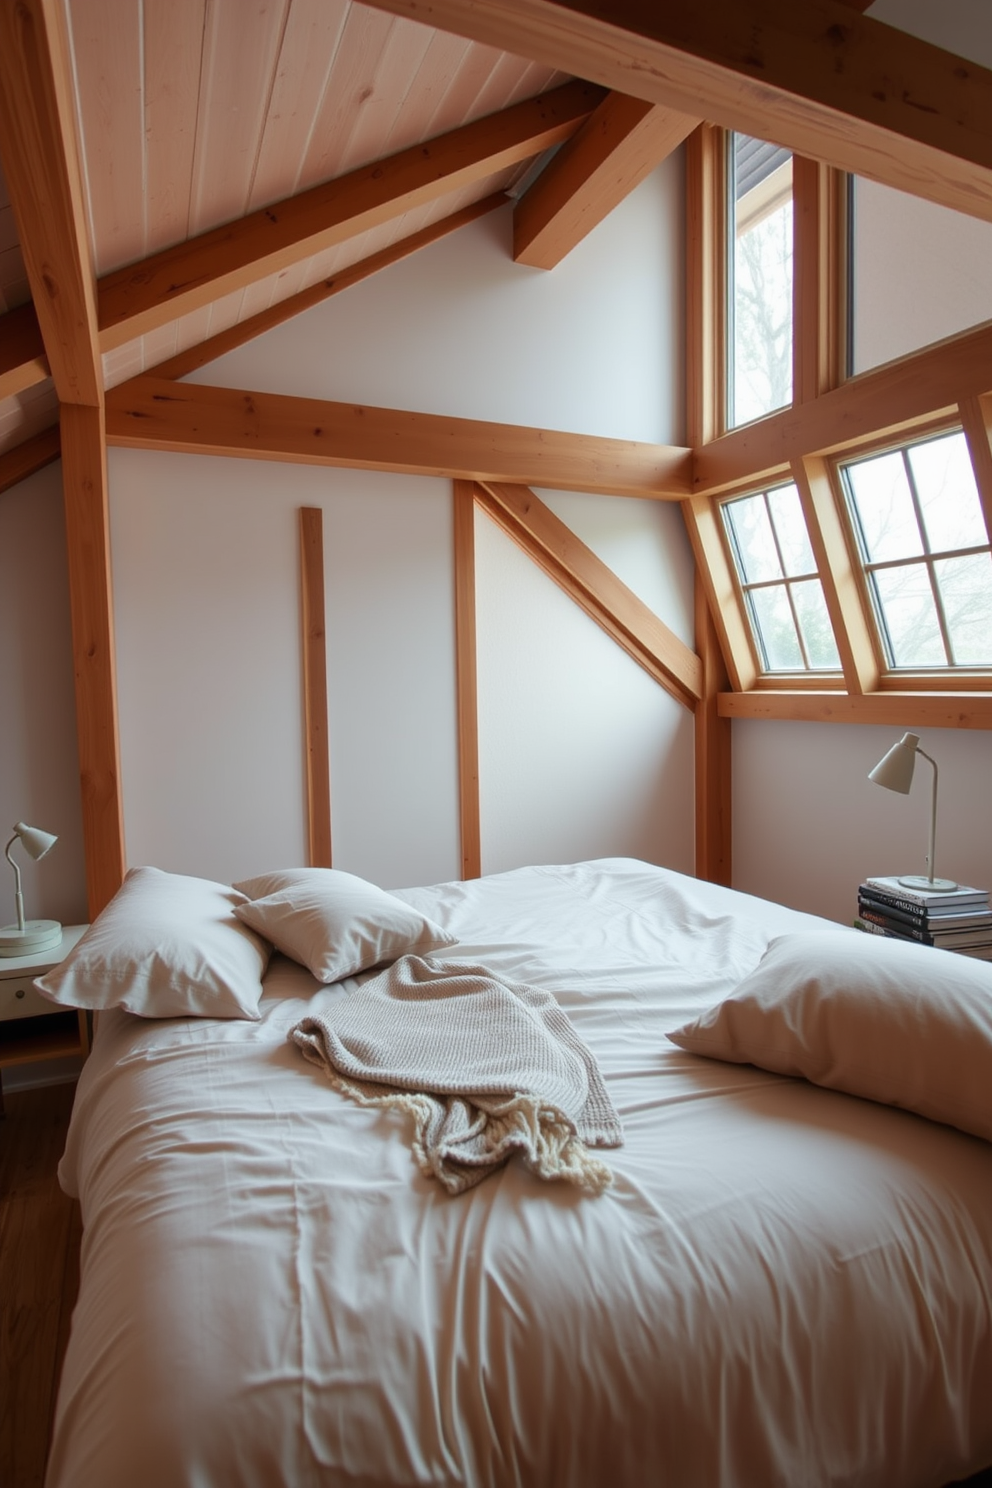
(933, 813)
(18, 897)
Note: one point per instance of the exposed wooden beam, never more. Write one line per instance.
(169, 284)
(466, 680)
(893, 709)
(838, 575)
(246, 330)
(24, 459)
(819, 278)
(713, 570)
(40, 156)
(23, 362)
(817, 77)
(616, 148)
(315, 721)
(705, 284)
(891, 399)
(713, 778)
(595, 587)
(152, 412)
(84, 473)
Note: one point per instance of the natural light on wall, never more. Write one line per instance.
(779, 583)
(759, 263)
(925, 550)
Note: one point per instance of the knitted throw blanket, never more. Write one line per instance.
(486, 1068)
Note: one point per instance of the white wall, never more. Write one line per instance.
(581, 754)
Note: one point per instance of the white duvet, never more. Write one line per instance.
(784, 1288)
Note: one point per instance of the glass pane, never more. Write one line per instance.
(790, 526)
(776, 630)
(761, 274)
(965, 586)
(748, 519)
(885, 506)
(945, 483)
(814, 622)
(906, 602)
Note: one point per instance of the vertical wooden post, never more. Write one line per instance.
(706, 381)
(819, 278)
(976, 419)
(466, 679)
(318, 770)
(84, 473)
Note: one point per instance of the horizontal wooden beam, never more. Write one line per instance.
(616, 148)
(890, 399)
(892, 709)
(158, 290)
(41, 157)
(818, 77)
(246, 330)
(24, 459)
(154, 413)
(595, 587)
(23, 361)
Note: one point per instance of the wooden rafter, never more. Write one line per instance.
(818, 77)
(466, 680)
(154, 413)
(41, 164)
(616, 148)
(246, 330)
(140, 298)
(595, 587)
(24, 459)
(315, 722)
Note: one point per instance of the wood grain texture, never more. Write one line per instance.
(24, 459)
(154, 413)
(615, 150)
(976, 420)
(135, 300)
(466, 680)
(713, 759)
(893, 709)
(40, 155)
(39, 1229)
(892, 399)
(315, 720)
(819, 278)
(705, 284)
(246, 330)
(840, 576)
(23, 362)
(818, 77)
(595, 587)
(713, 570)
(84, 475)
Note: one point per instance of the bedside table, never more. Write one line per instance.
(31, 1027)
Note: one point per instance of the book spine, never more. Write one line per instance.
(875, 929)
(908, 899)
(896, 926)
(912, 915)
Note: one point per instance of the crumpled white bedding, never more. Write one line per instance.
(784, 1288)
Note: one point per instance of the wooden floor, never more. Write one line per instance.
(39, 1275)
(39, 1279)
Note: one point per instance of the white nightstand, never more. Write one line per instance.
(31, 1027)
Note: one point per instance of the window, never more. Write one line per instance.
(759, 263)
(925, 550)
(783, 596)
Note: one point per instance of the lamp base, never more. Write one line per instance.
(922, 884)
(37, 935)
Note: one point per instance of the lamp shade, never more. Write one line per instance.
(35, 842)
(895, 769)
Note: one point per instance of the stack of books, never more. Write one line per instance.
(959, 920)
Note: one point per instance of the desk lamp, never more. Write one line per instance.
(28, 936)
(895, 772)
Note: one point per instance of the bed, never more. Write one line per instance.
(784, 1285)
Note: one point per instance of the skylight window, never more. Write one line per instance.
(780, 585)
(925, 550)
(760, 271)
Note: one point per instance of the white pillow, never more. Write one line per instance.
(334, 923)
(903, 1024)
(166, 946)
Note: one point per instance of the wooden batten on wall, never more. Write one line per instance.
(315, 719)
(466, 688)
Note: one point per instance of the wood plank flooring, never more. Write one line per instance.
(39, 1280)
(39, 1271)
